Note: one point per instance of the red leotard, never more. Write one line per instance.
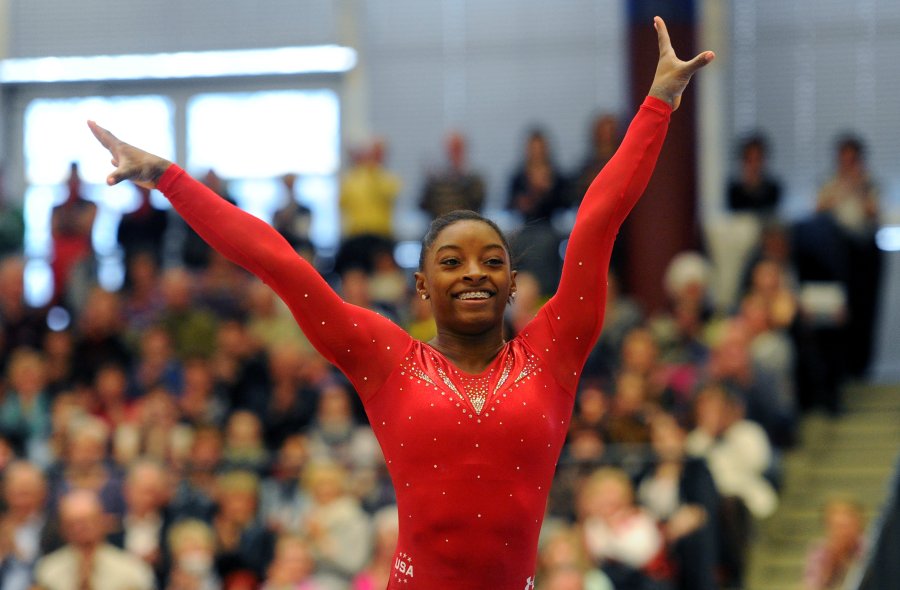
(471, 456)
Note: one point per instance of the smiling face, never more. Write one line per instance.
(467, 276)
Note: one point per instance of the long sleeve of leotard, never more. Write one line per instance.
(364, 345)
(566, 328)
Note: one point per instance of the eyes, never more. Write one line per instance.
(453, 261)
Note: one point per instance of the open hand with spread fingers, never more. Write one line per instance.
(672, 74)
(134, 164)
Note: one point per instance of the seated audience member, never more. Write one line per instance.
(110, 397)
(142, 531)
(201, 402)
(840, 550)
(731, 364)
(244, 447)
(192, 329)
(621, 538)
(243, 544)
(87, 561)
(100, 338)
(269, 320)
(679, 491)
(564, 553)
(192, 545)
(86, 465)
(282, 499)
(628, 420)
(738, 454)
(605, 137)
(292, 402)
(339, 531)
(24, 531)
(293, 567)
(195, 491)
(622, 317)
(25, 408)
(336, 436)
(377, 573)
(22, 324)
(157, 364)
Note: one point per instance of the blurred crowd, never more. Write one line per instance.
(181, 433)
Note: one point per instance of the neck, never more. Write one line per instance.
(470, 353)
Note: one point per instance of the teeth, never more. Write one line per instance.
(474, 295)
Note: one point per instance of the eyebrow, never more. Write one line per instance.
(455, 247)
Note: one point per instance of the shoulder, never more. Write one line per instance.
(121, 564)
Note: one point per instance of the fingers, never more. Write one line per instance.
(662, 35)
(699, 61)
(106, 139)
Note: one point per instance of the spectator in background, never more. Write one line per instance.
(86, 465)
(192, 545)
(536, 192)
(680, 492)
(24, 531)
(243, 544)
(335, 435)
(142, 231)
(143, 528)
(282, 499)
(25, 408)
(292, 402)
(753, 190)
(621, 538)
(851, 198)
(12, 222)
(143, 302)
(455, 186)
(604, 141)
(87, 561)
(339, 531)
(377, 574)
(244, 448)
(71, 224)
(835, 555)
(20, 325)
(563, 564)
(191, 328)
(101, 340)
(293, 220)
(195, 253)
(293, 566)
(367, 198)
(195, 492)
(738, 454)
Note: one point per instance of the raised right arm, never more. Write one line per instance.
(364, 345)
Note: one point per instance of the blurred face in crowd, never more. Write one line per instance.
(639, 351)
(145, 489)
(24, 489)
(667, 438)
(606, 495)
(244, 430)
(82, 519)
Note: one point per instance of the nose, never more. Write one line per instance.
(474, 272)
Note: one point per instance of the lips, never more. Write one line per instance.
(479, 295)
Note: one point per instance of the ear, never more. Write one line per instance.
(420, 282)
(512, 283)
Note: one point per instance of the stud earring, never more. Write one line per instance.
(424, 296)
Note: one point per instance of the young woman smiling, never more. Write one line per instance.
(471, 426)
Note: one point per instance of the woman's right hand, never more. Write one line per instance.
(142, 168)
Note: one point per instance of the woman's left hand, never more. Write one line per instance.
(672, 74)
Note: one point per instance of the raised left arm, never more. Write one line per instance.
(569, 324)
